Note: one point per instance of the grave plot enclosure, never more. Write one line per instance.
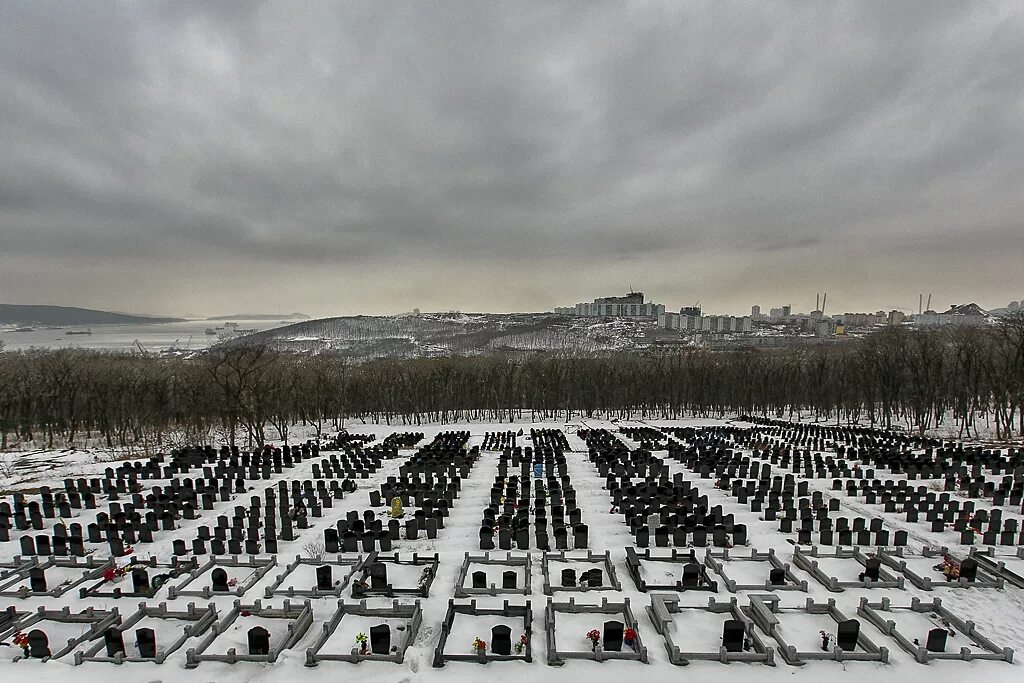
(927, 631)
(675, 572)
(845, 568)
(223, 576)
(815, 631)
(747, 569)
(261, 633)
(486, 575)
(597, 632)
(309, 577)
(503, 634)
(939, 569)
(54, 633)
(380, 576)
(153, 634)
(391, 631)
(720, 632)
(568, 576)
(51, 576)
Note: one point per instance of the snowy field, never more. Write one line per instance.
(998, 613)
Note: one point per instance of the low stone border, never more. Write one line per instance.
(522, 561)
(763, 610)
(175, 570)
(557, 657)
(506, 610)
(711, 559)
(412, 613)
(876, 613)
(201, 620)
(361, 587)
(611, 583)
(259, 566)
(705, 582)
(664, 605)
(895, 559)
(98, 620)
(291, 591)
(301, 618)
(91, 569)
(988, 560)
(808, 563)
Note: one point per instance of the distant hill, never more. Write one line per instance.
(439, 334)
(69, 315)
(261, 316)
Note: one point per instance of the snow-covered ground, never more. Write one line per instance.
(998, 613)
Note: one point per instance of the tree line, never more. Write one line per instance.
(960, 378)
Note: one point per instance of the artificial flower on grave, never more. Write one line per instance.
(479, 644)
(629, 635)
(21, 640)
(521, 645)
(361, 638)
(232, 582)
(594, 635)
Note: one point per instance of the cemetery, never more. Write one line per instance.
(419, 552)
(391, 631)
(718, 631)
(933, 625)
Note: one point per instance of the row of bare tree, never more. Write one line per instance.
(960, 378)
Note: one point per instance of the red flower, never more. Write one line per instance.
(594, 635)
(630, 634)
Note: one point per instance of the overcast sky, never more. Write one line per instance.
(224, 157)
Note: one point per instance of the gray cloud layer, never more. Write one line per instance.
(372, 157)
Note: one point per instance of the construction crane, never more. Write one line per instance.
(141, 348)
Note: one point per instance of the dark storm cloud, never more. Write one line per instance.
(404, 155)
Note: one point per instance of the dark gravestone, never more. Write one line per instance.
(969, 569)
(508, 579)
(504, 539)
(219, 579)
(777, 576)
(501, 640)
(580, 535)
(28, 546)
(612, 641)
(145, 640)
(114, 641)
(378, 576)
(38, 644)
(43, 545)
(350, 542)
(691, 575)
(380, 639)
(140, 580)
(872, 567)
(568, 578)
(259, 641)
(846, 637)
(37, 580)
(479, 580)
(324, 578)
(594, 578)
(732, 635)
(936, 640)
(331, 541)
